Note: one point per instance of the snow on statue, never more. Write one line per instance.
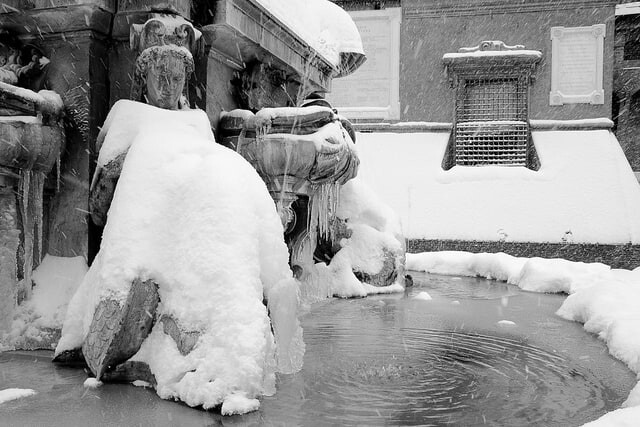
(192, 246)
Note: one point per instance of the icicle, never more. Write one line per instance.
(31, 188)
(9, 241)
(323, 206)
(58, 172)
(27, 231)
(36, 195)
(241, 140)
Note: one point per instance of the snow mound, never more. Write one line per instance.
(506, 323)
(423, 296)
(9, 394)
(36, 320)
(194, 217)
(92, 383)
(375, 236)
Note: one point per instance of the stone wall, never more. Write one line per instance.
(432, 28)
(626, 106)
(617, 256)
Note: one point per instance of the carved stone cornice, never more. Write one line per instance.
(244, 31)
(40, 23)
(417, 9)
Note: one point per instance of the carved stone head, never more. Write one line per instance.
(166, 44)
(161, 75)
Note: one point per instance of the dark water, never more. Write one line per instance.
(384, 360)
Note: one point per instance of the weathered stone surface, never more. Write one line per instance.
(617, 256)
(102, 192)
(117, 332)
(387, 274)
(29, 144)
(186, 340)
(74, 17)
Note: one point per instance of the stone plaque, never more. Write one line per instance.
(576, 65)
(372, 92)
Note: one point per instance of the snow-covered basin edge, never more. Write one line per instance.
(605, 300)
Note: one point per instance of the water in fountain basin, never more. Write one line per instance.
(386, 360)
(396, 360)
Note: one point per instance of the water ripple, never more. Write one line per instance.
(434, 377)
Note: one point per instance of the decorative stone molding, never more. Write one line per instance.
(420, 9)
(163, 30)
(491, 45)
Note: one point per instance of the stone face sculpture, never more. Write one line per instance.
(161, 75)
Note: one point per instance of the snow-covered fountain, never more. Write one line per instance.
(193, 256)
(207, 254)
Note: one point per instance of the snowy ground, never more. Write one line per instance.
(584, 192)
(14, 393)
(605, 300)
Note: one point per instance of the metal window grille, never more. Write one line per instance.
(492, 143)
(491, 122)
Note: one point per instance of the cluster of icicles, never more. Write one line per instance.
(323, 202)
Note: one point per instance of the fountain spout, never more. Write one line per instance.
(303, 154)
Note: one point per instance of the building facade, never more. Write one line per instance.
(432, 28)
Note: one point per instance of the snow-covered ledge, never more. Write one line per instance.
(245, 30)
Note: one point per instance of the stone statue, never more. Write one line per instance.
(160, 300)
(160, 80)
(117, 332)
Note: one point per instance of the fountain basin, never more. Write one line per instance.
(383, 360)
(27, 143)
(307, 143)
(281, 155)
(31, 133)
